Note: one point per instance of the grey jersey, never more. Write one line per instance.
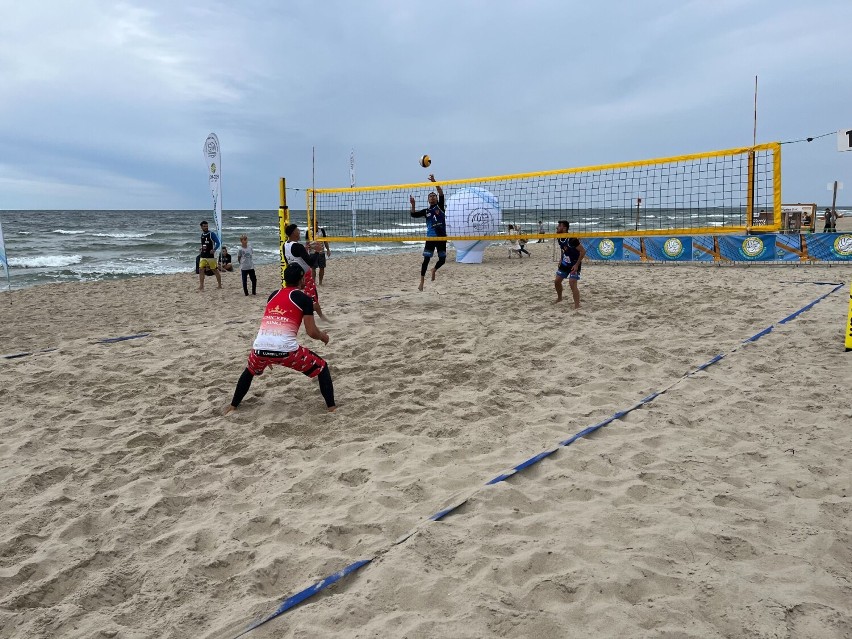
(245, 258)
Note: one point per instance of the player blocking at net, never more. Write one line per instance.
(436, 228)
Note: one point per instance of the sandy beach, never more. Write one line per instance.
(130, 508)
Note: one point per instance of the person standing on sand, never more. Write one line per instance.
(436, 228)
(570, 264)
(245, 258)
(321, 249)
(295, 252)
(276, 344)
(830, 221)
(207, 256)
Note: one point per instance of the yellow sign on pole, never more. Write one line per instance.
(849, 324)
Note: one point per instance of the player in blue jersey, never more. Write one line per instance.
(570, 264)
(436, 228)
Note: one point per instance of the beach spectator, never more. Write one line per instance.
(276, 344)
(295, 252)
(321, 249)
(517, 242)
(436, 228)
(830, 221)
(207, 256)
(225, 260)
(541, 231)
(245, 258)
(521, 241)
(570, 264)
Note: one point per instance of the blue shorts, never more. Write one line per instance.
(431, 245)
(568, 274)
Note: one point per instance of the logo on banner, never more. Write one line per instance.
(480, 221)
(673, 248)
(212, 147)
(214, 174)
(606, 248)
(843, 245)
(752, 247)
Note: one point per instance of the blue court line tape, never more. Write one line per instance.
(17, 355)
(301, 596)
(811, 305)
(110, 340)
(757, 336)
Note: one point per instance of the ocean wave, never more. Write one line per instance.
(45, 261)
(64, 232)
(130, 236)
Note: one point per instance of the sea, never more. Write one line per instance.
(45, 247)
(48, 247)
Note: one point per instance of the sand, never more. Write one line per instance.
(130, 508)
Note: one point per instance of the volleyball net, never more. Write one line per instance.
(728, 191)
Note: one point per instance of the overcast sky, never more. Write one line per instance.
(106, 105)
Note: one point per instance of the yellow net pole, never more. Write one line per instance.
(283, 221)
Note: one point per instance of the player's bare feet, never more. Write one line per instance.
(420, 288)
(331, 409)
(557, 301)
(229, 409)
(433, 274)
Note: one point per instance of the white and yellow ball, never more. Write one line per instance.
(425, 161)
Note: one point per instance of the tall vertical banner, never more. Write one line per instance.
(352, 184)
(3, 260)
(213, 157)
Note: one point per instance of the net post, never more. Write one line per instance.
(750, 192)
(849, 323)
(283, 221)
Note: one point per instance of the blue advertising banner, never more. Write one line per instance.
(604, 248)
(747, 248)
(830, 246)
(702, 248)
(788, 247)
(765, 247)
(669, 249)
(632, 249)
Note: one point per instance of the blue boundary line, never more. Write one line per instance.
(111, 340)
(299, 597)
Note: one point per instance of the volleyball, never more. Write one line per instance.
(425, 161)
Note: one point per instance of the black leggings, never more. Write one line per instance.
(325, 384)
(249, 274)
(425, 266)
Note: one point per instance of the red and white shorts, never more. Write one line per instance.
(303, 360)
(311, 287)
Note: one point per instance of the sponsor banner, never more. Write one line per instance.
(702, 248)
(747, 248)
(632, 249)
(472, 211)
(3, 259)
(669, 249)
(830, 246)
(604, 248)
(789, 247)
(213, 157)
